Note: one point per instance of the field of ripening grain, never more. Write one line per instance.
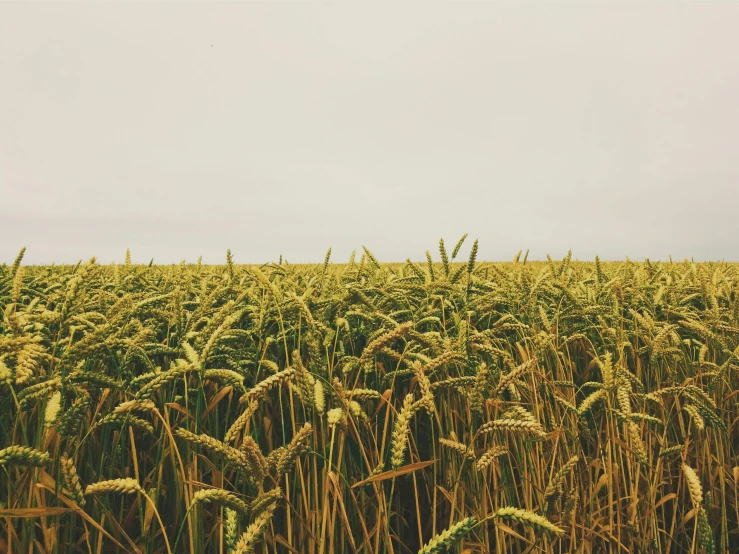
(450, 405)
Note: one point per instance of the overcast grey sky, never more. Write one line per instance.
(180, 129)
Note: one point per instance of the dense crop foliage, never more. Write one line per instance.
(367, 407)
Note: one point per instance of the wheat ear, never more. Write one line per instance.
(222, 497)
(449, 536)
(528, 518)
(23, 455)
(71, 479)
(123, 486)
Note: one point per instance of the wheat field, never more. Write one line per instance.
(450, 405)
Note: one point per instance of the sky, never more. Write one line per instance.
(183, 129)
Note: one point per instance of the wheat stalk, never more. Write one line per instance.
(71, 479)
(248, 540)
(489, 456)
(458, 447)
(528, 518)
(517, 425)
(240, 423)
(694, 486)
(23, 455)
(122, 486)
(554, 488)
(222, 497)
(294, 449)
(261, 388)
(449, 536)
(265, 500)
(215, 446)
(400, 432)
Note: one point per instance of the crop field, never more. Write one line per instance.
(451, 405)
